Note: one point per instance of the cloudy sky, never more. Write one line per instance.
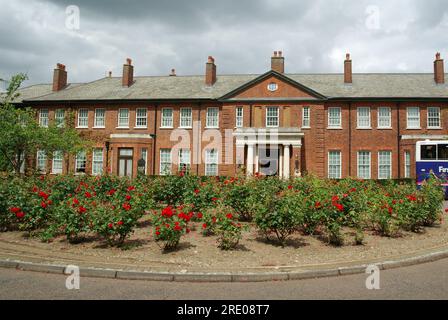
(382, 36)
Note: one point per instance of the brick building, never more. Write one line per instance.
(333, 125)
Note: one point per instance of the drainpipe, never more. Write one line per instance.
(198, 151)
(154, 144)
(349, 139)
(398, 140)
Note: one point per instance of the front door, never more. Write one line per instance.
(125, 160)
(268, 160)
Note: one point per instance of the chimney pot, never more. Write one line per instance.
(110, 74)
(129, 61)
(59, 77)
(173, 72)
(210, 71)
(439, 70)
(278, 62)
(348, 76)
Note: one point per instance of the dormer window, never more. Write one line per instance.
(272, 86)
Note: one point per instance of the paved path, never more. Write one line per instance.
(425, 281)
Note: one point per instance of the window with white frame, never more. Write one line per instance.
(211, 162)
(43, 117)
(83, 118)
(334, 165)
(413, 118)
(184, 160)
(334, 117)
(363, 117)
(433, 117)
(97, 161)
(272, 115)
(141, 118)
(100, 118)
(306, 117)
(167, 118)
(41, 161)
(239, 117)
(384, 165)
(59, 118)
(407, 164)
(186, 118)
(123, 118)
(165, 161)
(57, 162)
(80, 162)
(364, 164)
(212, 119)
(384, 117)
(145, 157)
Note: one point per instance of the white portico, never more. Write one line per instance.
(269, 151)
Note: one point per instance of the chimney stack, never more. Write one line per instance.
(439, 71)
(210, 71)
(59, 77)
(348, 69)
(278, 62)
(128, 73)
(173, 73)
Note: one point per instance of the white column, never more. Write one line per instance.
(250, 160)
(280, 161)
(286, 161)
(256, 159)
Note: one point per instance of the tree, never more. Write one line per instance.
(21, 134)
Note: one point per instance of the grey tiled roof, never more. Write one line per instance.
(193, 87)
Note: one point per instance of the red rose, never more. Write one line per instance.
(229, 216)
(317, 205)
(177, 227)
(82, 210)
(345, 195)
(126, 206)
(199, 215)
(157, 233)
(167, 212)
(35, 189)
(214, 199)
(352, 189)
(204, 226)
(390, 210)
(111, 192)
(128, 197)
(20, 214)
(131, 188)
(334, 198)
(75, 201)
(339, 206)
(14, 209)
(120, 223)
(289, 187)
(43, 195)
(110, 225)
(187, 230)
(43, 204)
(214, 219)
(196, 191)
(88, 195)
(446, 210)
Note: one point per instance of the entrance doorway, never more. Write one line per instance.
(125, 160)
(268, 160)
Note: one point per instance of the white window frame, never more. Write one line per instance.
(359, 166)
(43, 118)
(97, 119)
(186, 120)
(431, 117)
(384, 118)
(212, 120)
(84, 118)
(407, 164)
(144, 153)
(41, 156)
(380, 164)
(306, 117)
(208, 162)
(339, 174)
(168, 172)
(331, 123)
(122, 124)
(408, 118)
(142, 117)
(275, 118)
(58, 157)
(77, 162)
(166, 121)
(363, 118)
(96, 163)
(184, 158)
(59, 121)
(239, 117)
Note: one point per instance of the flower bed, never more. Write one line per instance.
(110, 208)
